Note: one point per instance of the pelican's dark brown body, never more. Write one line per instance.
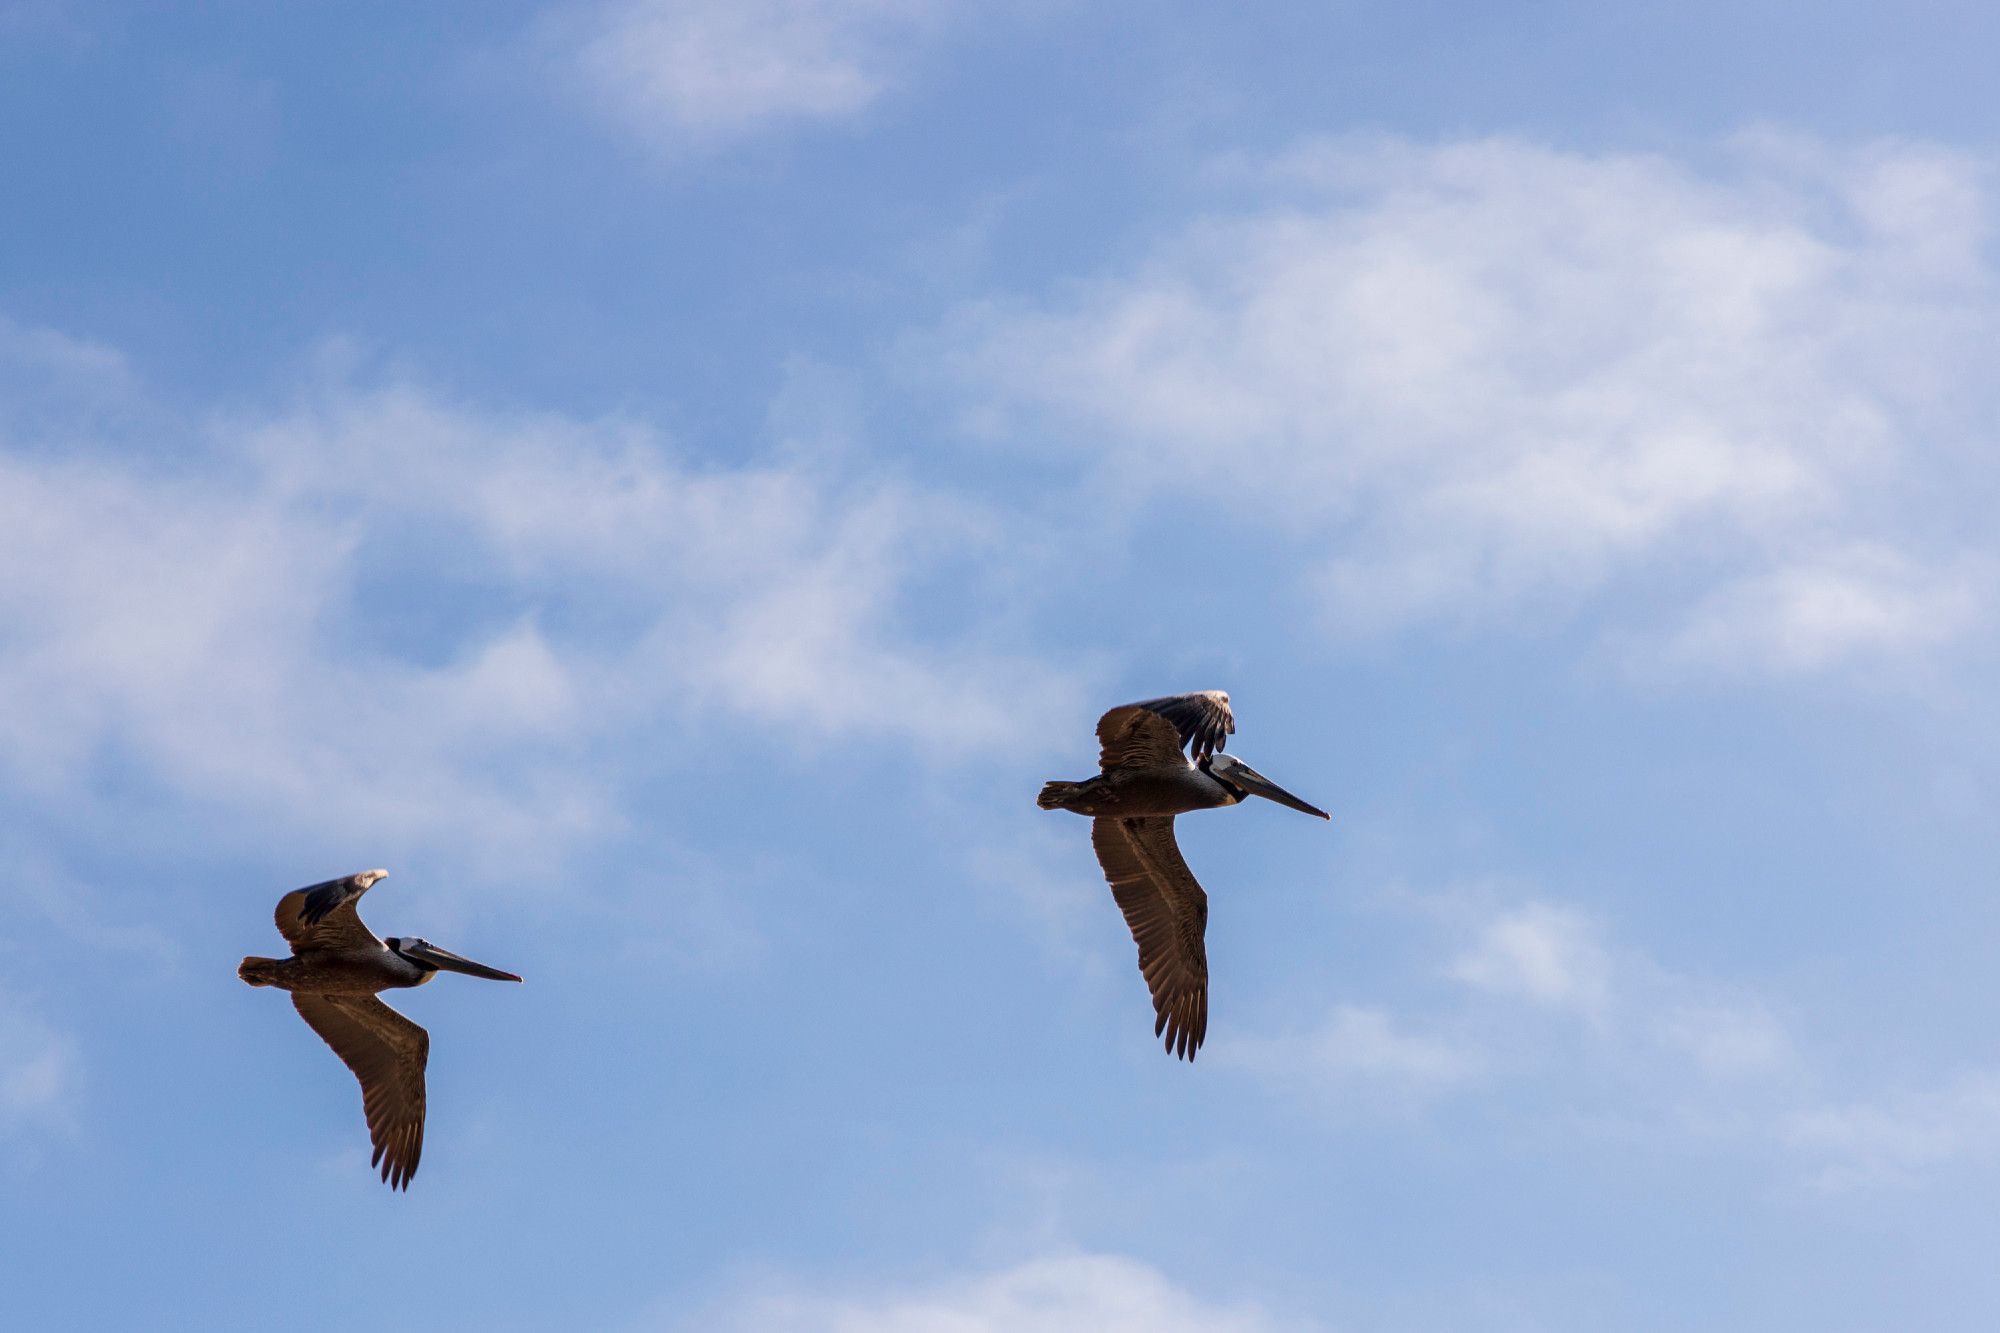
(1135, 792)
(324, 972)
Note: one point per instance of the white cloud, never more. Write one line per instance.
(52, 380)
(1069, 1293)
(1662, 1059)
(203, 629)
(224, 615)
(1540, 988)
(1486, 376)
(1547, 955)
(772, 586)
(1544, 1004)
(1358, 1051)
(1901, 1139)
(1652, 1017)
(1848, 603)
(682, 71)
(38, 1069)
(1724, 1038)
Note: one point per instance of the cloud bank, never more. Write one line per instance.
(378, 613)
(1733, 407)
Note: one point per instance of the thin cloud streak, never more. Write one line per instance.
(694, 73)
(1062, 1293)
(1359, 1054)
(39, 1070)
(1900, 1140)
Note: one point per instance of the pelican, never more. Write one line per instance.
(336, 968)
(1146, 782)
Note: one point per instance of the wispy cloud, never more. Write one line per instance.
(1064, 1293)
(1725, 1038)
(1359, 1054)
(1644, 1015)
(38, 1069)
(1481, 379)
(1854, 602)
(695, 72)
(233, 617)
(1901, 1139)
(1678, 1060)
(1540, 996)
(1544, 954)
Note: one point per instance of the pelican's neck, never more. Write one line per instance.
(1231, 794)
(412, 972)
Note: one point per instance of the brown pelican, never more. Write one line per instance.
(1146, 782)
(336, 968)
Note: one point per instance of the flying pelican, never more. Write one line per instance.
(1146, 782)
(336, 968)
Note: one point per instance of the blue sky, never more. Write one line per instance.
(670, 481)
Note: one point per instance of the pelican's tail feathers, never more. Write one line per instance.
(260, 971)
(1056, 795)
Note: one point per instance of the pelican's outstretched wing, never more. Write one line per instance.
(387, 1053)
(1132, 736)
(325, 916)
(1168, 914)
(1203, 720)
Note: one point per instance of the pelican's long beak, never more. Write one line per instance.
(446, 960)
(1250, 780)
